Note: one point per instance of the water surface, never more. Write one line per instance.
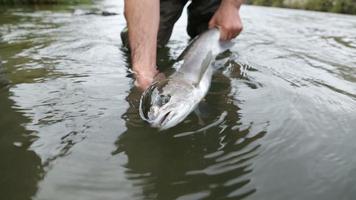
(277, 123)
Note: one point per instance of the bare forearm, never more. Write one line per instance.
(142, 18)
(236, 3)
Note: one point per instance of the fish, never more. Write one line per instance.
(167, 102)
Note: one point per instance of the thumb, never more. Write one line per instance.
(224, 36)
(212, 23)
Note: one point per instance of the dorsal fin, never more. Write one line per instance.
(184, 52)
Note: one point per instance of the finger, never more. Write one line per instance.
(220, 31)
(212, 23)
(227, 37)
(239, 30)
(223, 34)
(230, 35)
(234, 35)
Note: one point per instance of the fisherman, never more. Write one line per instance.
(150, 24)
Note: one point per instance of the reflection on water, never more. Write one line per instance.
(277, 123)
(20, 168)
(213, 163)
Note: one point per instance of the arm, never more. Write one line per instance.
(227, 19)
(142, 18)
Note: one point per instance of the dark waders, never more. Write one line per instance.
(199, 15)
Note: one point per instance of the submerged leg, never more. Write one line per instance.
(170, 11)
(199, 14)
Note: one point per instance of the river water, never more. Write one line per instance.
(279, 121)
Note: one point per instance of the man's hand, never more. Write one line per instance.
(145, 77)
(142, 18)
(143, 81)
(227, 19)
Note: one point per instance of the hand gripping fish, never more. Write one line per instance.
(168, 102)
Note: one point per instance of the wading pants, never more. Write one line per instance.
(199, 15)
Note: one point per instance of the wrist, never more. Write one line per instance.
(144, 72)
(234, 3)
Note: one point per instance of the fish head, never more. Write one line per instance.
(166, 103)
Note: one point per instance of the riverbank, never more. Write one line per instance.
(35, 2)
(336, 6)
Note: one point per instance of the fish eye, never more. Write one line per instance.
(163, 99)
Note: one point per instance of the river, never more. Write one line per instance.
(279, 121)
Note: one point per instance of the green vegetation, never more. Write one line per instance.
(20, 2)
(337, 6)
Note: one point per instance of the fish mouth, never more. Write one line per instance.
(164, 121)
(164, 118)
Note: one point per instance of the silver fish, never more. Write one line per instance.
(168, 102)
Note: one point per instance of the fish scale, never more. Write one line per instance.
(168, 102)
